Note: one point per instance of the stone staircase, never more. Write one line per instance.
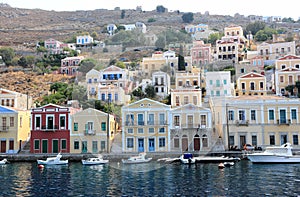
(25, 148)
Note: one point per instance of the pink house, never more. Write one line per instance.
(201, 53)
(70, 65)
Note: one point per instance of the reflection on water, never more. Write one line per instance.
(150, 179)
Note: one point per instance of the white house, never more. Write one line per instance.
(218, 83)
(84, 40)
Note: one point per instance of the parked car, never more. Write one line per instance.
(248, 147)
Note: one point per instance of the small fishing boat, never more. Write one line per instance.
(3, 161)
(94, 161)
(53, 161)
(141, 158)
(228, 164)
(187, 158)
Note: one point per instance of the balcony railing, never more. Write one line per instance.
(49, 127)
(129, 123)
(242, 122)
(89, 132)
(284, 121)
(4, 128)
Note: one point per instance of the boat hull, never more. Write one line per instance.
(85, 162)
(127, 161)
(273, 159)
(188, 161)
(44, 162)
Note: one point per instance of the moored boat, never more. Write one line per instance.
(3, 161)
(275, 154)
(53, 161)
(141, 158)
(94, 161)
(187, 158)
(216, 159)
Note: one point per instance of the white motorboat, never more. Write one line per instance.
(141, 158)
(187, 158)
(94, 161)
(53, 161)
(228, 164)
(3, 161)
(216, 159)
(275, 154)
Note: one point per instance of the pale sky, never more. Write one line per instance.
(286, 8)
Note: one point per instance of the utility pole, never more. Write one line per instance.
(227, 126)
(108, 122)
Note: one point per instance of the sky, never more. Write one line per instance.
(287, 8)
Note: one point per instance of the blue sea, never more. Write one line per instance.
(150, 179)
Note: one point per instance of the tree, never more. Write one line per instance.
(150, 91)
(94, 35)
(138, 93)
(290, 88)
(151, 20)
(22, 62)
(297, 85)
(160, 9)
(261, 36)
(120, 64)
(160, 42)
(181, 63)
(212, 38)
(123, 14)
(86, 65)
(254, 27)
(30, 60)
(7, 55)
(188, 17)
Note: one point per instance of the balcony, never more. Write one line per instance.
(129, 123)
(89, 132)
(283, 121)
(49, 128)
(157, 122)
(4, 128)
(242, 123)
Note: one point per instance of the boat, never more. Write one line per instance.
(275, 154)
(141, 158)
(53, 161)
(3, 161)
(216, 159)
(187, 158)
(221, 166)
(228, 164)
(94, 161)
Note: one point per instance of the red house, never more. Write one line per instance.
(50, 132)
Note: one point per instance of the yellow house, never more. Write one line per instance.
(145, 126)
(258, 120)
(14, 129)
(92, 131)
(287, 72)
(191, 128)
(251, 84)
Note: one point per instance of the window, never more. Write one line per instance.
(252, 86)
(271, 114)
(224, 81)
(4, 123)
(129, 142)
(176, 121)
(162, 142)
(218, 93)
(95, 146)
(282, 116)
(63, 144)
(140, 119)
(225, 92)
(36, 144)
(281, 79)
(140, 130)
(179, 83)
(11, 121)
(261, 85)
(176, 142)
(231, 140)
(161, 130)
(230, 115)
(76, 145)
(103, 97)
(116, 97)
(129, 119)
(75, 126)
(195, 100)
(37, 122)
(150, 119)
(103, 126)
(242, 70)
(272, 140)
(243, 86)
(218, 83)
(294, 114)
(186, 100)
(210, 82)
(241, 115)
(151, 130)
(295, 140)
(203, 119)
(161, 119)
(102, 145)
(253, 114)
(129, 130)
(62, 121)
(177, 101)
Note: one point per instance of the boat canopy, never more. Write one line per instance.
(187, 155)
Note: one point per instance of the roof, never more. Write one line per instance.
(252, 75)
(288, 57)
(6, 110)
(112, 68)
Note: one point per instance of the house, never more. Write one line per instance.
(111, 28)
(287, 72)
(50, 129)
(70, 65)
(15, 99)
(218, 84)
(232, 45)
(91, 131)
(275, 51)
(141, 27)
(254, 64)
(260, 121)
(54, 46)
(196, 28)
(251, 84)
(129, 27)
(187, 89)
(145, 126)
(14, 129)
(111, 93)
(161, 83)
(84, 40)
(191, 128)
(201, 54)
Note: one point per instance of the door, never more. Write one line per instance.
(185, 143)
(84, 147)
(196, 143)
(242, 141)
(3, 146)
(151, 145)
(44, 146)
(55, 146)
(141, 145)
